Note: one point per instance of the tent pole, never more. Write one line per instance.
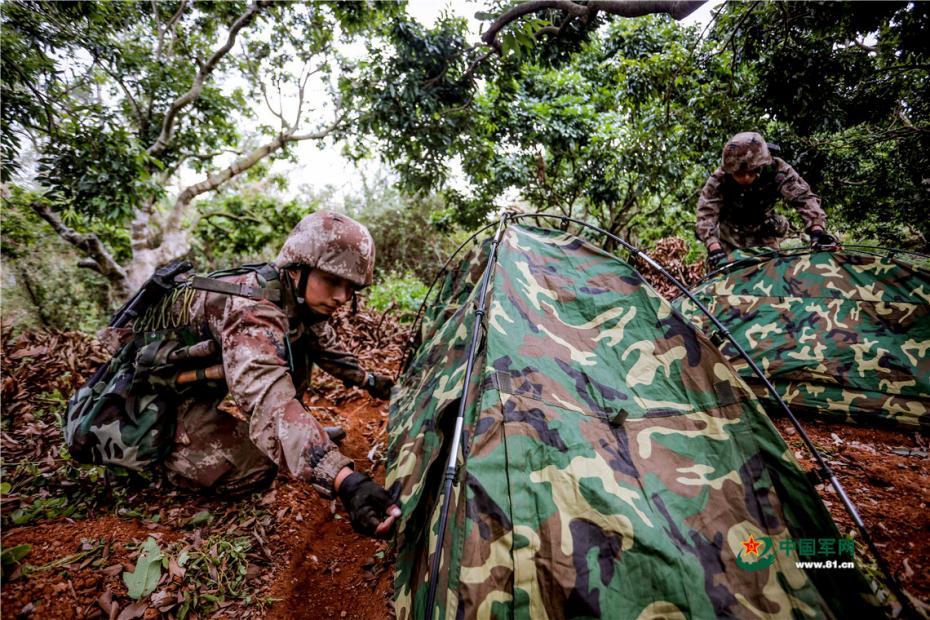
(460, 418)
(822, 464)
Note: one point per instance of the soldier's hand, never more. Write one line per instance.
(824, 241)
(379, 386)
(371, 510)
(715, 257)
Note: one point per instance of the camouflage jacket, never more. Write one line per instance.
(254, 337)
(727, 207)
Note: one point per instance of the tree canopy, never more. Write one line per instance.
(120, 99)
(131, 119)
(620, 121)
(845, 88)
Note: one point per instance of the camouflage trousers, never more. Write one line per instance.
(733, 238)
(213, 451)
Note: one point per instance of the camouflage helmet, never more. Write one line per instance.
(332, 242)
(745, 151)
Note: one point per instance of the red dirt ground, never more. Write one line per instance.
(319, 567)
(330, 571)
(73, 592)
(887, 476)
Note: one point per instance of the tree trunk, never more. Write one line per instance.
(174, 244)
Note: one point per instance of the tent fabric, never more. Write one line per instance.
(841, 335)
(613, 462)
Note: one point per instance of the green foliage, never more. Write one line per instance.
(217, 569)
(413, 98)
(621, 131)
(43, 287)
(620, 121)
(13, 557)
(246, 226)
(402, 294)
(100, 172)
(40, 509)
(92, 117)
(848, 88)
(144, 579)
(202, 517)
(117, 99)
(409, 232)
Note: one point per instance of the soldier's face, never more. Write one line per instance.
(746, 177)
(326, 292)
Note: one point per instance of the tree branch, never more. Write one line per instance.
(678, 9)
(115, 77)
(213, 181)
(318, 135)
(167, 128)
(863, 46)
(90, 244)
(168, 26)
(210, 155)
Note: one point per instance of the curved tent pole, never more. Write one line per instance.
(419, 315)
(822, 464)
(890, 252)
(460, 417)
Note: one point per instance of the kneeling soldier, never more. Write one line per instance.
(250, 335)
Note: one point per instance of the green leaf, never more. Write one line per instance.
(5, 487)
(14, 555)
(143, 581)
(200, 518)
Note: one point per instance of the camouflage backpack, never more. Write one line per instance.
(126, 412)
(118, 419)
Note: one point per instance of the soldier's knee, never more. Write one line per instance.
(245, 483)
(233, 483)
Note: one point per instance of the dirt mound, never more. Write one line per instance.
(671, 253)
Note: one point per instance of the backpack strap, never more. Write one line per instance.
(269, 288)
(240, 290)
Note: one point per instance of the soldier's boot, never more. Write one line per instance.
(336, 433)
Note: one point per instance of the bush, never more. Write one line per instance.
(403, 294)
(248, 226)
(408, 239)
(42, 285)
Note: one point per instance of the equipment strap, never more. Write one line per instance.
(230, 288)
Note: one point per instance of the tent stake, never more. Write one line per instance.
(460, 418)
(822, 464)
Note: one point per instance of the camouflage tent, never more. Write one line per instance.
(613, 464)
(844, 334)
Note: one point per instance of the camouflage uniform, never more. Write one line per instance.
(739, 216)
(213, 449)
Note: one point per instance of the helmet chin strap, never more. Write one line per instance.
(302, 284)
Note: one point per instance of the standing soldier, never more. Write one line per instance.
(250, 335)
(736, 208)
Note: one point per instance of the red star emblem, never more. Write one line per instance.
(751, 545)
